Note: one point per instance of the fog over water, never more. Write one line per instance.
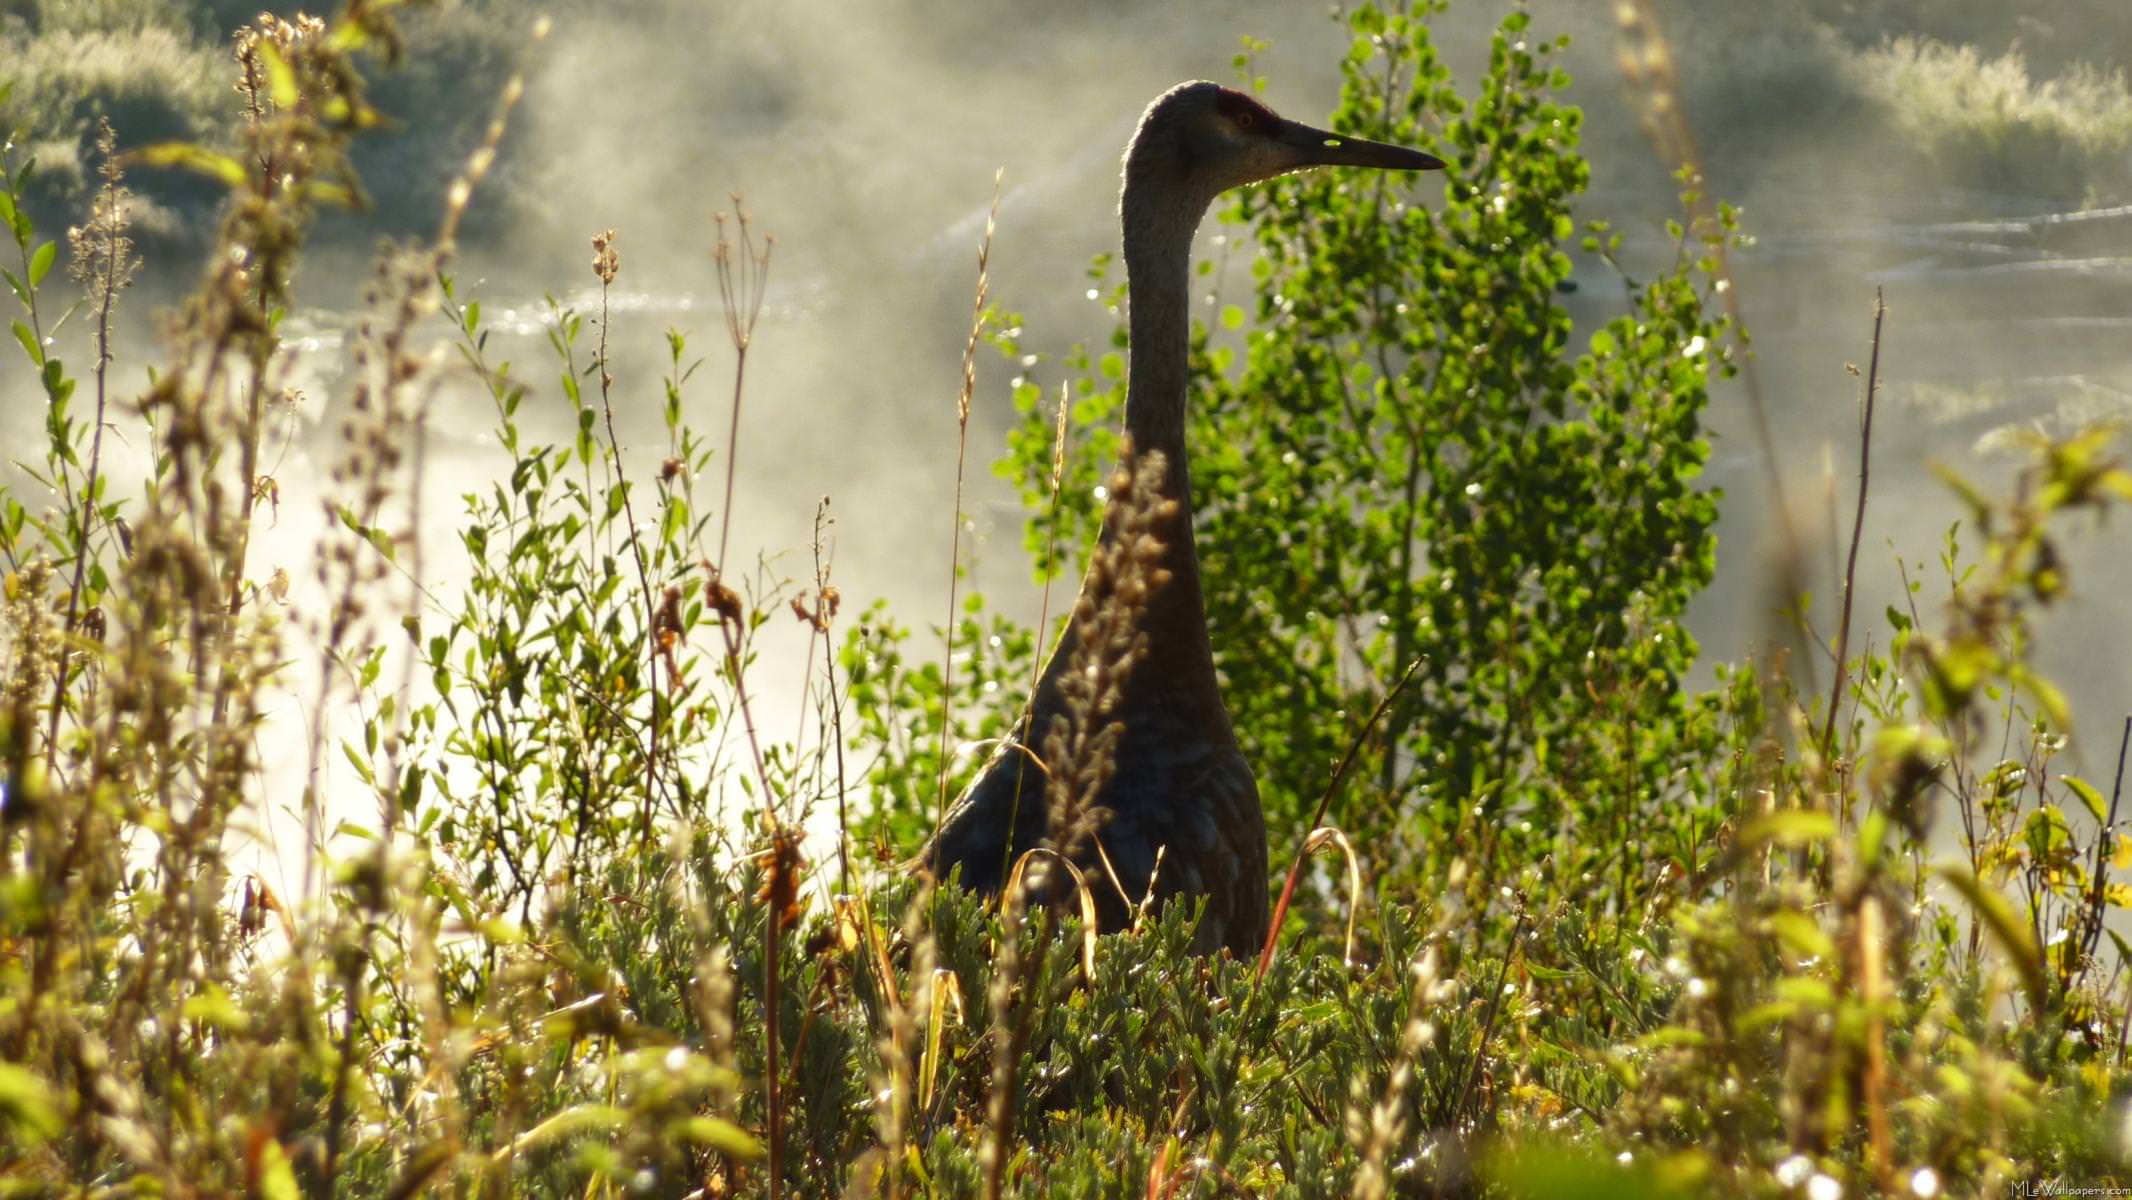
(865, 139)
(867, 143)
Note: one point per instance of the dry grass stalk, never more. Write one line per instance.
(1386, 1124)
(1123, 575)
(742, 266)
(1082, 890)
(607, 266)
(385, 420)
(1647, 67)
(743, 269)
(979, 317)
(1329, 835)
(818, 617)
(899, 1040)
(783, 871)
(1043, 612)
(102, 261)
(1871, 958)
(1010, 1036)
(1317, 822)
(1146, 907)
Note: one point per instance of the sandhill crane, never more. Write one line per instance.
(1180, 784)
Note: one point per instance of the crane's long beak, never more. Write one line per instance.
(1319, 148)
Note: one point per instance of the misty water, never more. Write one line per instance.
(867, 145)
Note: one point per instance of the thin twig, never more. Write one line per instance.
(742, 298)
(1317, 818)
(1010, 1036)
(607, 263)
(1850, 570)
(825, 602)
(1495, 1007)
(110, 271)
(741, 288)
(2101, 870)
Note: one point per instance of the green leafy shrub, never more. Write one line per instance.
(1402, 456)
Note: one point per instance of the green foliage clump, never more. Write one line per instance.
(1403, 456)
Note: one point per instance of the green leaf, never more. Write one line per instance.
(1872, 838)
(500, 930)
(348, 35)
(1807, 992)
(2088, 795)
(41, 262)
(1802, 933)
(277, 1179)
(186, 156)
(1790, 827)
(213, 1006)
(281, 78)
(29, 343)
(1540, 1169)
(1769, 1013)
(26, 1103)
(1666, 1036)
(355, 759)
(18, 221)
(335, 195)
(722, 1136)
(567, 1124)
(1978, 505)
(2047, 694)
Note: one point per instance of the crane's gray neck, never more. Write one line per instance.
(1159, 219)
(1159, 222)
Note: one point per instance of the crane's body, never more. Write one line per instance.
(1180, 786)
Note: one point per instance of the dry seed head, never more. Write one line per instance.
(1058, 441)
(783, 868)
(606, 260)
(667, 621)
(100, 254)
(1082, 742)
(723, 600)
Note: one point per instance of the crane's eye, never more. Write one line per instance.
(1247, 114)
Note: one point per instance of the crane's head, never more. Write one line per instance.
(1201, 139)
